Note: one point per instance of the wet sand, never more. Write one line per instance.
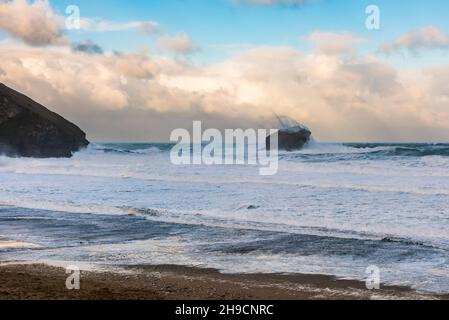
(43, 282)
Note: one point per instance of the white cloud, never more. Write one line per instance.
(34, 23)
(426, 38)
(180, 44)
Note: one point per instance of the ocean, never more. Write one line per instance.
(332, 209)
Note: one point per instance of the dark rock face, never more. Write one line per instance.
(292, 139)
(27, 129)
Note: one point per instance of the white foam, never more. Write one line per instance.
(11, 244)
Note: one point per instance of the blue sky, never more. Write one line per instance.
(219, 25)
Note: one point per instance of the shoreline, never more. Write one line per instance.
(168, 282)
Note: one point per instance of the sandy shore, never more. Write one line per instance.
(39, 282)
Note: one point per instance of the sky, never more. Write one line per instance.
(132, 71)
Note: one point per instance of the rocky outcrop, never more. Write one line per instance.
(292, 140)
(291, 135)
(28, 129)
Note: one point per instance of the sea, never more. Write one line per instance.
(337, 209)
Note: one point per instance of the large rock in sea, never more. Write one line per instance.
(28, 129)
(291, 136)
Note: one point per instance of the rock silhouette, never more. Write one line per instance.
(291, 135)
(28, 129)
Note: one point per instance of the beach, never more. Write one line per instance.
(44, 282)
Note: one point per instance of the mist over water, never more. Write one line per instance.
(332, 209)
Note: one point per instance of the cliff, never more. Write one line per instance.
(28, 129)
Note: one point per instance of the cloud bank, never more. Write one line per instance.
(359, 98)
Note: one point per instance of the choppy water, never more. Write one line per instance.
(332, 209)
